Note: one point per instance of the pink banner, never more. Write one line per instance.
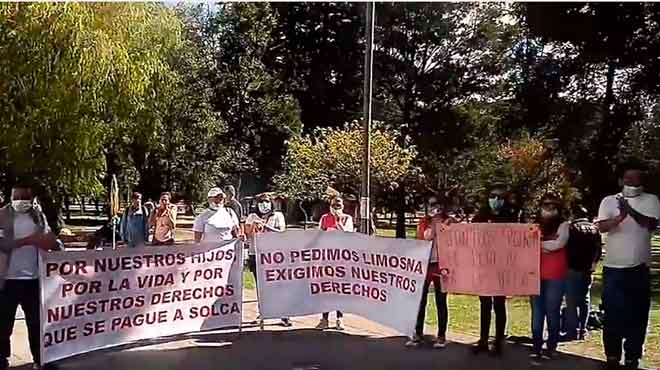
(489, 259)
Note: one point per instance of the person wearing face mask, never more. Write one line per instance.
(629, 219)
(335, 220)
(163, 220)
(547, 305)
(23, 231)
(134, 224)
(495, 212)
(426, 231)
(264, 220)
(218, 223)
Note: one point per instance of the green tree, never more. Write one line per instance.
(74, 78)
(332, 157)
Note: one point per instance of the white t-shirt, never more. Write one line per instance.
(629, 244)
(217, 225)
(24, 261)
(275, 221)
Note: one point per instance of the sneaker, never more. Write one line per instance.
(286, 322)
(480, 346)
(414, 342)
(440, 343)
(548, 355)
(323, 324)
(496, 349)
(340, 324)
(584, 335)
(535, 359)
(568, 338)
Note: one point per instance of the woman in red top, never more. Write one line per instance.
(335, 220)
(547, 305)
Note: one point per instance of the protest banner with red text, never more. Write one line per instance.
(98, 299)
(306, 272)
(489, 259)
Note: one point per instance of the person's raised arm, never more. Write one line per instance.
(606, 221)
(560, 241)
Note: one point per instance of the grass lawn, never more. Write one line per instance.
(464, 313)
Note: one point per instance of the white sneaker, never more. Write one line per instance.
(415, 341)
(440, 343)
(340, 324)
(323, 324)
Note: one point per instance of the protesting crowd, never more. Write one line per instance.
(571, 249)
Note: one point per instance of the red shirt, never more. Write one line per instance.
(554, 265)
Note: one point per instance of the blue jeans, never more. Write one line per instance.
(626, 301)
(578, 301)
(547, 306)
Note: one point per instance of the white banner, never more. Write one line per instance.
(307, 272)
(97, 299)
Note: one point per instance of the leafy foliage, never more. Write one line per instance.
(332, 157)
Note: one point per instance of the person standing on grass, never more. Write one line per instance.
(495, 212)
(547, 305)
(134, 224)
(629, 219)
(263, 220)
(163, 220)
(583, 251)
(23, 231)
(335, 220)
(426, 231)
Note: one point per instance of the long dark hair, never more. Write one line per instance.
(549, 227)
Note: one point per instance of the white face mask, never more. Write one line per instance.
(336, 211)
(549, 213)
(21, 206)
(265, 207)
(632, 191)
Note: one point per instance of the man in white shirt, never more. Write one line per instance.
(23, 231)
(629, 219)
(218, 223)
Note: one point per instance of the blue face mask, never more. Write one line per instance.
(495, 203)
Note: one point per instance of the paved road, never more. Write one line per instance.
(363, 346)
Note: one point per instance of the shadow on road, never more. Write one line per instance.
(309, 350)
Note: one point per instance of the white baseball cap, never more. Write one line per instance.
(214, 192)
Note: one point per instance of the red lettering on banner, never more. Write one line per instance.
(93, 328)
(81, 287)
(128, 322)
(345, 288)
(67, 268)
(60, 336)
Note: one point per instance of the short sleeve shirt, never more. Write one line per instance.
(217, 225)
(628, 244)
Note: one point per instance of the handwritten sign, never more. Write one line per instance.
(92, 300)
(489, 259)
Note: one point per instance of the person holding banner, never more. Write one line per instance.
(265, 219)
(335, 220)
(23, 231)
(426, 231)
(495, 212)
(218, 223)
(546, 307)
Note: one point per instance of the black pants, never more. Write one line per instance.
(626, 301)
(487, 305)
(440, 303)
(252, 266)
(26, 294)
